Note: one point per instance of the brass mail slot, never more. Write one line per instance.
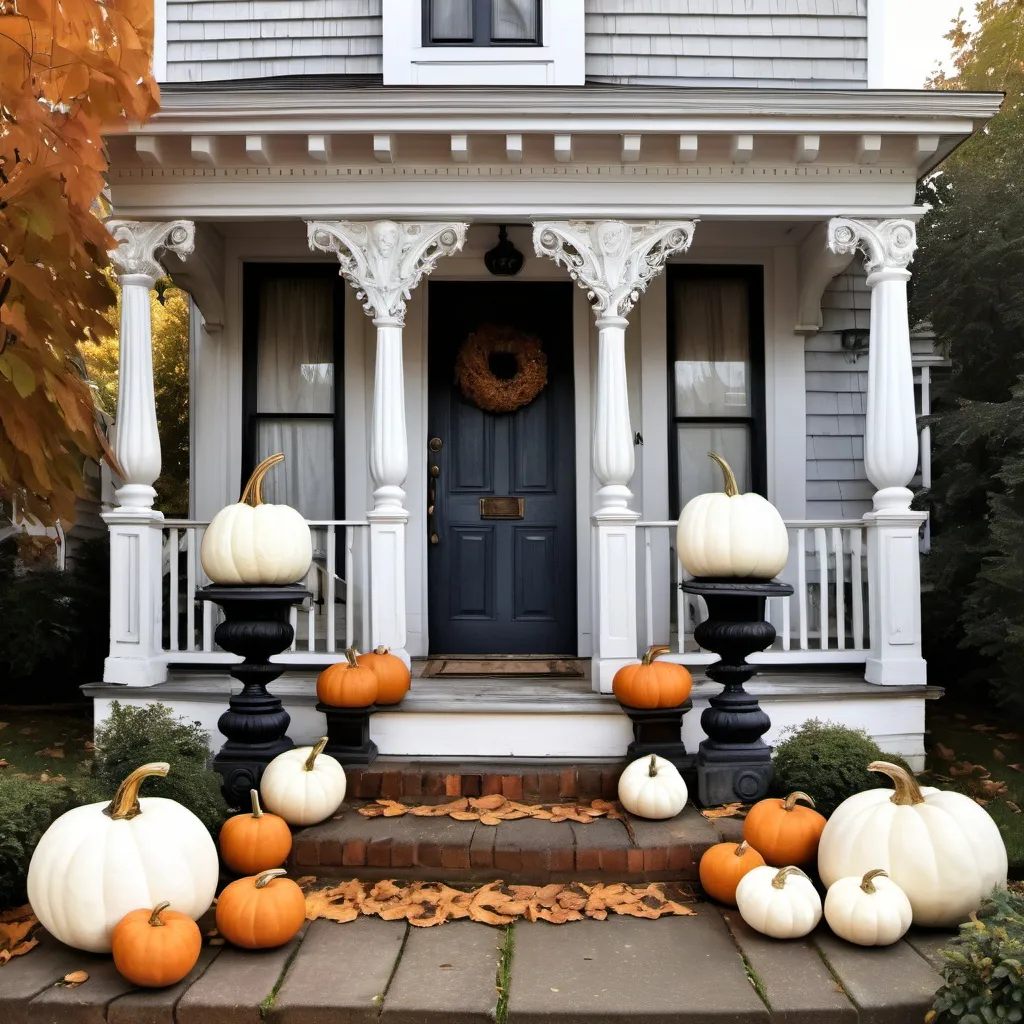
(502, 508)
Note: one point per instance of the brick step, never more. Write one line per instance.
(526, 851)
(547, 781)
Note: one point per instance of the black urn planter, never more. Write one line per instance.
(660, 731)
(255, 626)
(348, 735)
(734, 762)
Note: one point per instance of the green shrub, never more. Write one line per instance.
(27, 807)
(984, 971)
(829, 762)
(133, 736)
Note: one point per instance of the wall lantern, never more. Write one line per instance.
(504, 260)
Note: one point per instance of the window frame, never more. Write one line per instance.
(254, 275)
(482, 29)
(755, 421)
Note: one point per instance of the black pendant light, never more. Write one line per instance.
(504, 260)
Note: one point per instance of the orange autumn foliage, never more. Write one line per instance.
(69, 72)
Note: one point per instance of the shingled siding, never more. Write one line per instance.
(218, 40)
(759, 43)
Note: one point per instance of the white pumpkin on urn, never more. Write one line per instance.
(652, 787)
(303, 785)
(868, 911)
(731, 535)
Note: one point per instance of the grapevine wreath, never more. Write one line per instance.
(501, 369)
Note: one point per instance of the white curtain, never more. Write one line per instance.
(451, 19)
(296, 375)
(514, 19)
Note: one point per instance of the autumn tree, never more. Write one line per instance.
(69, 71)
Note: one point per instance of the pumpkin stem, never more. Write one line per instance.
(867, 882)
(264, 878)
(318, 749)
(653, 652)
(382, 650)
(790, 802)
(154, 918)
(731, 487)
(125, 804)
(253, 492)
(652, 769)
(257, 811)
(741, 849)
(352, 654)
(779, 881)
(908, 792)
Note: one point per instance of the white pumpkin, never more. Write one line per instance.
(780, 902)
(731, 534)
(100, 861)
(868, 911)
(303, 785)
(652, 787)
(253, 543)
(941, 848)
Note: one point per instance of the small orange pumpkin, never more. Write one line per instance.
(393, 677)
(651, 683)
(783, 832)
(347, 684)
(722, 867)
(250, 843)
(261, 911)
(155, 948)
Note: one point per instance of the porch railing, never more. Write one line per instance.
(335, 617)
(825, 621)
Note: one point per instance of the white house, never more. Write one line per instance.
(736, 203)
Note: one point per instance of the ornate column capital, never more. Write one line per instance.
(612, 259)
(139, 244)
(384, 260)
(885, 244)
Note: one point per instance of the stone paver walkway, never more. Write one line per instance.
(677, 970)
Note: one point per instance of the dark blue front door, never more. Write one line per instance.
(501, 585)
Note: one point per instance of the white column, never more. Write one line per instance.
(613, 261)
(135, 535)
(384, 261)
(891, 449)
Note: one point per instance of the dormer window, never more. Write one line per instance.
(482, 22)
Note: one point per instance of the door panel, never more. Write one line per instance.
(502, 586)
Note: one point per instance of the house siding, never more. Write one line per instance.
(754, 43)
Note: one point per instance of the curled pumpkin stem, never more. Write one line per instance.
(318, 749)
(382, 650)
(790, 802)
(867, 882)
(732, 488)
(154, 919)
(352, 655)
(908, 792)
(652, 768)
(253, 492)
(254, 796)
(653, 652)
(779, 881)
(742, 849)
(264, 878)
(125, 804)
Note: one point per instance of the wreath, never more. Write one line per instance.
(501, 369)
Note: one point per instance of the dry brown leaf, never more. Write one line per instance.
(76, 978)
(4, 763)
(999, 755)
(946, 753)
(1007, 736)
(981, 727)
(393, 809)
(16, 928)
(51, 752)
(217, 940)
(487, 803)
(3, 725)
(371, 811)
(991, 788)
(465, 815)
(305, 881)
(558, 915)
(430, 811)
(725, 811)
(462, 804)
(966, 768)
(542, 814)
(1013, 807)
(510, 814)
(1016, 767)
(489, 819)
(27, 732)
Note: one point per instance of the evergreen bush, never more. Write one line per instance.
(133, 736)
(984, 971)
(829, 762)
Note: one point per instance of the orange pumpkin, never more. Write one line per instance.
(722, 867)
(783, 832)
(651, 683)
(155, 948)
(250, 843)
(393, 677)
(347, 684)
(261, 911)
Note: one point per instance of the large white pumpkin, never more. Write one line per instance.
(303, 785)
(255, 544)
(100, 861)
(941, 848)
(868, 911)
(780, 902)
(652, 787)
(731, 534)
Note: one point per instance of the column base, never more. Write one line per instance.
(726, 775)
(241, 766)
(906, 672)
(348, 735)
(135, 671)
(602, 672)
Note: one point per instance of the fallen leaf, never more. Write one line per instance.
(966, 768)
(981, 727)
(1007, 736)
(4, 763)
(87, 745)
(991, 788)
(725, 811)
(489, 819)
(999, 755)
(51, 752)
(465, 815)
(1013, 807)
(371, 811)
(26, 732)
(1016, 767)
(217, 940)
(941, 750)
(3, 725)
(487, 803)
(76, 978)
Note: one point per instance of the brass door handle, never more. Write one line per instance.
(434, 471)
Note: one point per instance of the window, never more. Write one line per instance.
(716, 349)
(481, 23)
(293, 395)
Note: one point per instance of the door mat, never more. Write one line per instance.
(477, 667)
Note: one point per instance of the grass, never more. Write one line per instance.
(504, 979)
(50, 742)
(980, 753)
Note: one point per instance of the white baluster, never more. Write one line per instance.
(801, 586)
(840, 583)
(857, 587)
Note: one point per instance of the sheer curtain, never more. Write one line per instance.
(712, 382)
(296, 375)
(451, 19)
(514, 20)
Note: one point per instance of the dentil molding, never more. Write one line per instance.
(886, 244)
(384, 259)
(139, 244)
(612, 259)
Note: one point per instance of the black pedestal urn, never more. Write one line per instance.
(255, 626)
(734, 762)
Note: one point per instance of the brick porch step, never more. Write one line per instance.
(431, 781)
(526, 851)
